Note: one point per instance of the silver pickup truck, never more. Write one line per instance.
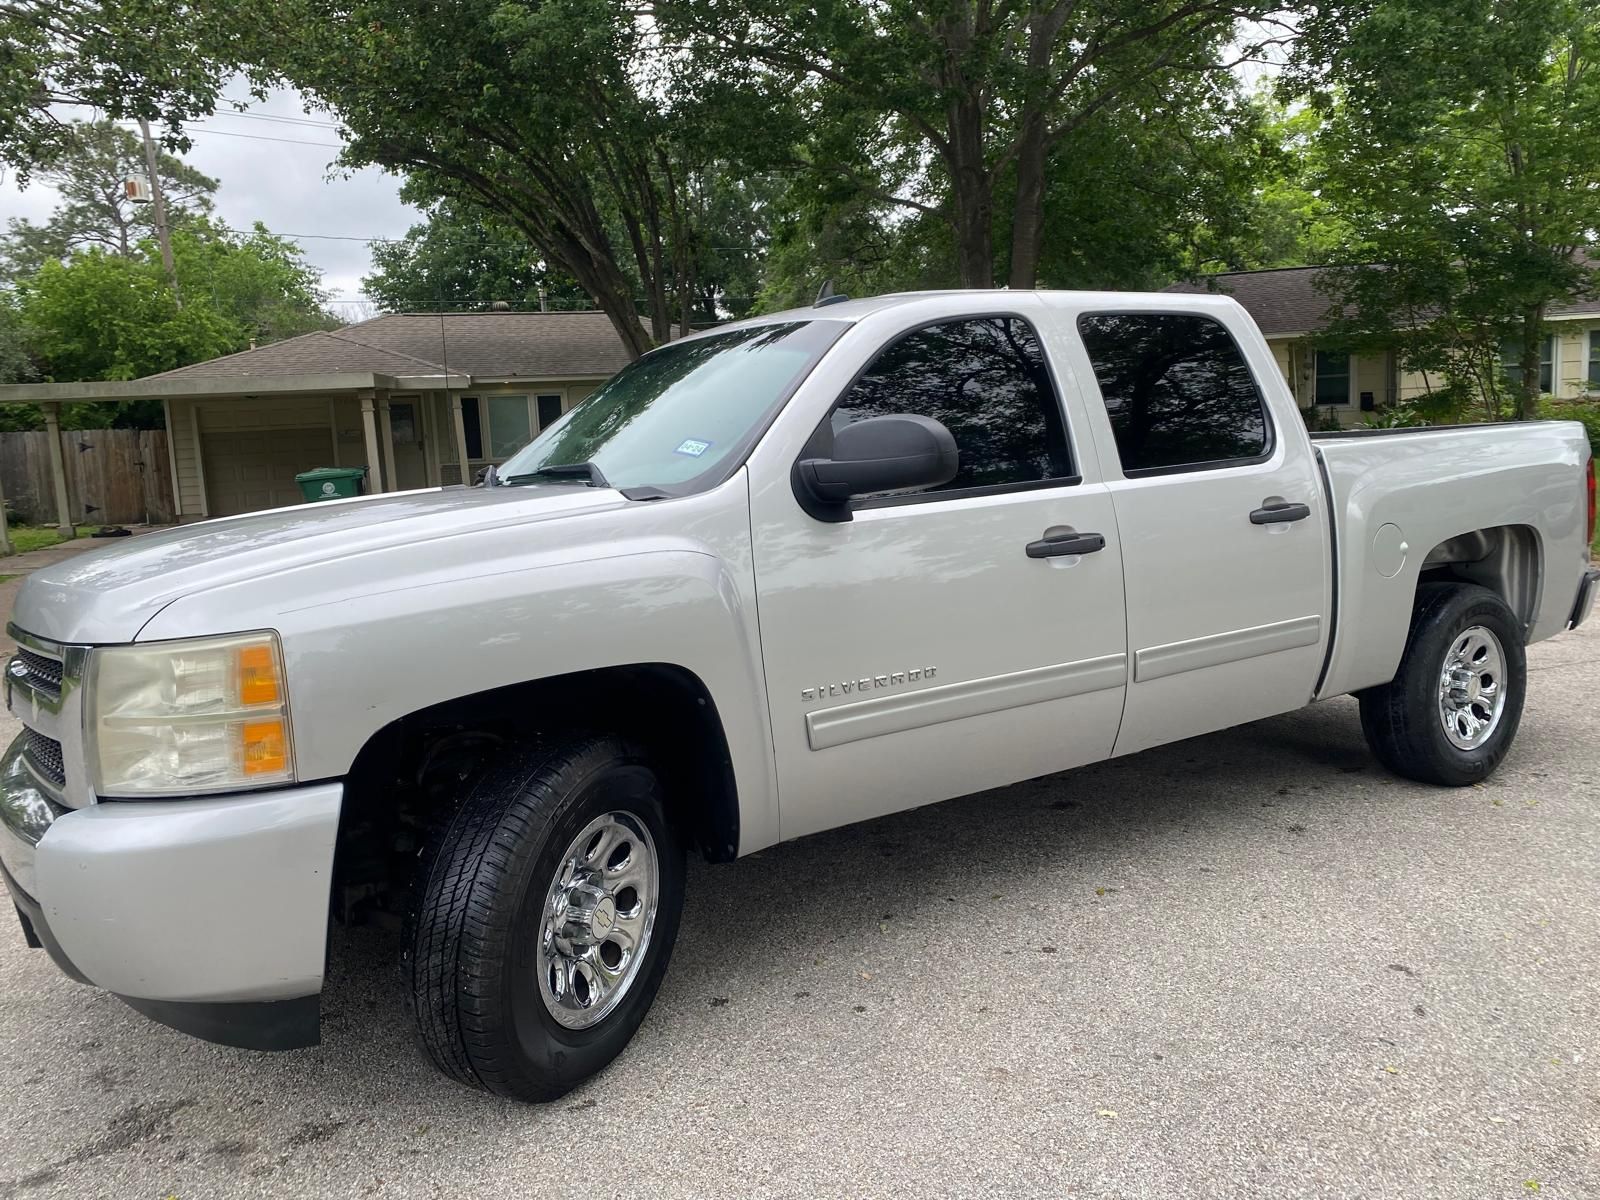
(781, 576)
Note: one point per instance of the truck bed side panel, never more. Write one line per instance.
(1432, 485)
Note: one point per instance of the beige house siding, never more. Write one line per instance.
(190, 491)
(1573, 343)
(1296, 358)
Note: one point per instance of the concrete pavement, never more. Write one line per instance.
(1252, 964)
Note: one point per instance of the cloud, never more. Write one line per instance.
(267, 173)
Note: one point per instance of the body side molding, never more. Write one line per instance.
(955, 701)
(1174, 658)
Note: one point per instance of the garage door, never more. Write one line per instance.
(254, 470)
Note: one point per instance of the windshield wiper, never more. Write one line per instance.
(584, 472)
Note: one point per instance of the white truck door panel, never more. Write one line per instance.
(1223, 525)
(917, 651)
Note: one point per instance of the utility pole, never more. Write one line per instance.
(158, 209)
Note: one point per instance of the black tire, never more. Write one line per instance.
(1401, 719)
(478, 908)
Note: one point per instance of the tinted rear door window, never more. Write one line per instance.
(1177, 390)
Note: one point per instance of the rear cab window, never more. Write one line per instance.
(1177, 390)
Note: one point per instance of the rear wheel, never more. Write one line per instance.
(543, 918)
(1453, 707)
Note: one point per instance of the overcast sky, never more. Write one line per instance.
(282, 183)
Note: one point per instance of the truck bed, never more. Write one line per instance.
(1403, 500)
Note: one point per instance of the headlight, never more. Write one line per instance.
(175, 718)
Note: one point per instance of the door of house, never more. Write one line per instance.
(410, 466)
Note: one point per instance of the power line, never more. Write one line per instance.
(283, 120)
(256, 137)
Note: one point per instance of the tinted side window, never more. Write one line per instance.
(987, 382)
(1176, 388)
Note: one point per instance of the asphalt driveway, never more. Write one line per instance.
(1247, 965)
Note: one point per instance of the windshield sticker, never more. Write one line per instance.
(693, 447)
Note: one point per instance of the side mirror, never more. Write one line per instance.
(897, 453)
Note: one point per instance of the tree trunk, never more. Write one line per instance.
(972, 193)
(1027, 217)
(1532, 356)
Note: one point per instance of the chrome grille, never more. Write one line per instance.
(44, 673)
(44, 755)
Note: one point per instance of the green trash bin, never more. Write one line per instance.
(331, 483)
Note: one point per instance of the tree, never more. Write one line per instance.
(958, 109)
(1458, 147)
(160, 59)
(104, 316)
(461, 258)
(546, 115)
(90, 172)
(16, 363)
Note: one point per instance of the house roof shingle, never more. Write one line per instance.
(533, 345)
(1285, 300)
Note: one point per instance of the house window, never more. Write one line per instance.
(1594, 360)
(472, 426)
(1511, 363)
(497, 426)
(1333, 377)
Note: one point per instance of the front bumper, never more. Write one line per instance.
(209, 915)
(1586, 594)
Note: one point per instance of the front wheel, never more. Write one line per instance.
(543, 918)
(1452, 710)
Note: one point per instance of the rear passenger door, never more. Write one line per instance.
(1224, 534)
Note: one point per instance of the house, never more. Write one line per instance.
(419, 399)
(1291, 312)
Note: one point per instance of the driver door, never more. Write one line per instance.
(917, 651)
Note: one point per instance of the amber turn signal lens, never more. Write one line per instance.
(258, 676)
(266, 749)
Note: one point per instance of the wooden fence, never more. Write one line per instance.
(114, 476)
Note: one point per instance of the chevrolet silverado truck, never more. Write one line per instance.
(781, 576)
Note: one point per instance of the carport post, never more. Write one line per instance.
(386, 436)
(461, 437)
(58, 468)
(369, 425)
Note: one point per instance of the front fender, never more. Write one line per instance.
(358, 660)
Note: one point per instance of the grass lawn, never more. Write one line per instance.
(37, 537)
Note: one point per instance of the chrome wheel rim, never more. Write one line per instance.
(1472, 688)
(598, 914)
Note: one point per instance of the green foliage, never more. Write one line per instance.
(88, 172)
(104, 316)
(161, 59)
(1457, 148)
(980, 117)
(551, 116)
(462, 258)
(16, 363)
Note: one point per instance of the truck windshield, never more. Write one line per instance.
(680, 418)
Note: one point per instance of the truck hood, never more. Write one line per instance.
(108, 595)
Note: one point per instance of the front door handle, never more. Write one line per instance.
(1277, 512)
(1070, 543)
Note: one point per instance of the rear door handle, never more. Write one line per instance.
(1277, 512)
(1071, 543)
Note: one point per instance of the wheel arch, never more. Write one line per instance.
(1506, 559)
(409, 774)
